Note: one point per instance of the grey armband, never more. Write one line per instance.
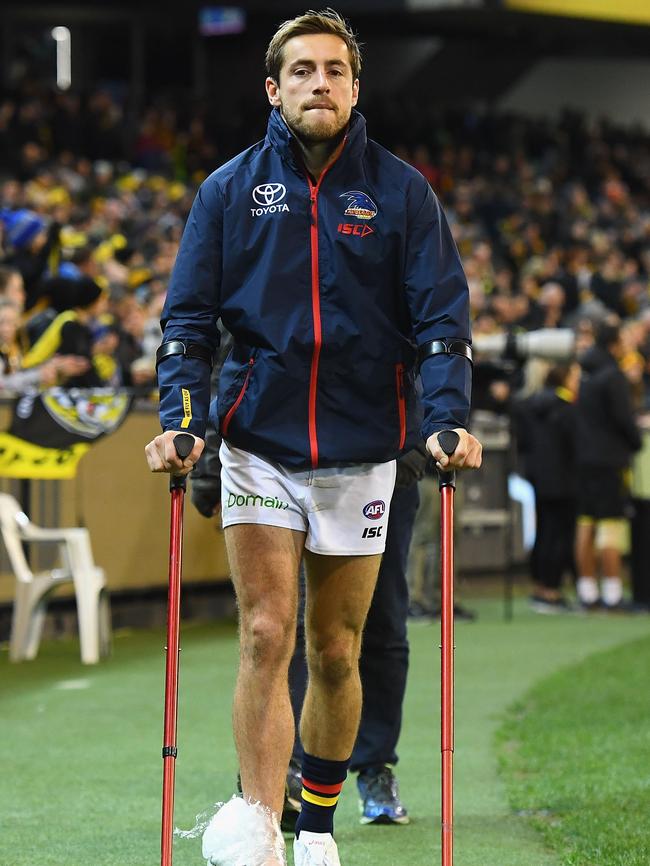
(444, 347)
(189, 350)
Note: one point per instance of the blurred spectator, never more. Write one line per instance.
(71, 333)
(12, 287)
(13, 377)
(547, 439)
(28, 244)
(640, 524)
(608, 436)
(11, 351)
(634, 366)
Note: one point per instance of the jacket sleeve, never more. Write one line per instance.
(190, 314)
(438, 301)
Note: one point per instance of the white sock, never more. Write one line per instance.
(587, 588)
(612, 590)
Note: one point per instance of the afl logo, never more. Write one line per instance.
(374, 510)
(360, 205)
(267, 194)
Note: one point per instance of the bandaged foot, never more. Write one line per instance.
(244, 834)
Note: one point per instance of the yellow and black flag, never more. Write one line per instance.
(52, 430)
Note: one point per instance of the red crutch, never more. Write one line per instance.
(183, 443)
(448, 441)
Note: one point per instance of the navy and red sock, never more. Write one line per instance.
(322, 781)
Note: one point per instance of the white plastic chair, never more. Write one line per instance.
(30, 600)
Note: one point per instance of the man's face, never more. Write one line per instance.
(316, 91)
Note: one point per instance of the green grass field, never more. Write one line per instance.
(576, 755)
(82, 768)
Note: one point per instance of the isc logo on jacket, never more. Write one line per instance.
(355, 229)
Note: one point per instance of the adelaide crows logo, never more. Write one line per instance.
(359, 205)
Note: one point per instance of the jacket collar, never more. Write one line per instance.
(282, 139)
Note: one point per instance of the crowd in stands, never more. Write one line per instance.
(552, 219)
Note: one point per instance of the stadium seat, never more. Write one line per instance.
(32, 590)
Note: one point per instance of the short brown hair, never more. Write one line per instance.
(325, 21)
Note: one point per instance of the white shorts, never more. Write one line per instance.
(343, 509)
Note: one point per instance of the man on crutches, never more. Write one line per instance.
(327, 259)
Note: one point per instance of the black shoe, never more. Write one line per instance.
(546, 605)
(379, 797)
(626, 606)
(460, 613)
(420, 613)
(292, 799)
(591, 606)
(463, 613)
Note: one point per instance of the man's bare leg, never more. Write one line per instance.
(339, 592)
(586, 562)
(264, 562)
(585, 549)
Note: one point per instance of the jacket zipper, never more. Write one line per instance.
(318, 333)
(401, 403)
(315, 305)
(226, 421)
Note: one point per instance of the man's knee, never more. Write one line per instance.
(266, 638)
(334, 660)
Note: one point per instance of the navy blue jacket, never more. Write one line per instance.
(325, 288)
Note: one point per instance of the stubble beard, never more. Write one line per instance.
(312, 131)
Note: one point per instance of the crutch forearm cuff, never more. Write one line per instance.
(188, 350)
(444, 347)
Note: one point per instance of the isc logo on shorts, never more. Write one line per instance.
(374, 510)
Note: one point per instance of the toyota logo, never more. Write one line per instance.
(267, 194)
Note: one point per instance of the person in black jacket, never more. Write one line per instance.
(608, 437)
(548, 442)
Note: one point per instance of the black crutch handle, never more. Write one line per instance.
(183, 443)
(448, 441)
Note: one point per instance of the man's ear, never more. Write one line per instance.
(355, 91)
(273, 92)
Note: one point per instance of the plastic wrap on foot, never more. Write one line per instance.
(243, 834)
